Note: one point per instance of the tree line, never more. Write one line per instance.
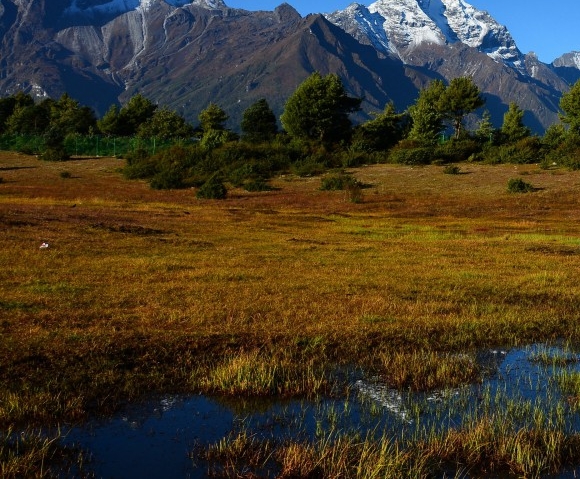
(317, 134)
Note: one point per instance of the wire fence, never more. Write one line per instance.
(94, 145)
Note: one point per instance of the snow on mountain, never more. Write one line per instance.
(399, 26)
(571, 59)
(117, 7)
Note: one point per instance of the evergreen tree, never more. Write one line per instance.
(513, 128)
(109, 123)
(165, 124)
(212, 118)
(212, 121)
(570, 105)
(69, 117)
(259, 122)
(486, 131)
(460, 98)
(319, 110)
(136, 112)
(427, 118)
(380, 133)
(7, 106)
(29, 120)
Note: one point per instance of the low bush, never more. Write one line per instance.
(457, 150)
(55, 154)
(212, 189)
(405, 153)
(167, 179)
(527, 150)
(517, 185)
(65, 174)
(452, 170)
(339, 181)
(258, 184)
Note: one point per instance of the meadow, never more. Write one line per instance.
(260, 294)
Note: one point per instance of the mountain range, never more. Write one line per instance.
(184, 54)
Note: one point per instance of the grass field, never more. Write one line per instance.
(142, 290)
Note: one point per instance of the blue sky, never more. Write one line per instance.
(545, 27)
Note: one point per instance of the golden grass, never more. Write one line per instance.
(139, 289)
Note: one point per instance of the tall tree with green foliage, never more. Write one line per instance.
(259, 122)
(570, 106)
(213, 118)
(30, 119)
(212, 121)
(319, 110)
(165, 124)
(136, 112)
(461, 97)
(486, 132)
(69, 116)
(426, 115)
(513, 128)
(380, 133)
(109, 123)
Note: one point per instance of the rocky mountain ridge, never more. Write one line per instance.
(184, 53)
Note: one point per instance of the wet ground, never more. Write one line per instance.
(160, 437)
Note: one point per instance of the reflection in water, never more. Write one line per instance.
(156, 438)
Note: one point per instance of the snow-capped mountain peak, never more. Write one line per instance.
(117, 7)
(398, 26)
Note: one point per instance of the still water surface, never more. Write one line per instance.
(158, 438)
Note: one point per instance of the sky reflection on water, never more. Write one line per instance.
(157, 438)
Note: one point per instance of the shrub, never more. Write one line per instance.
(258, 184)
(212, 189)
(566, 154)
(65, 174)
(457, 150)
(340, 181)
(168, 178)
(527, 150)
(517, 185)
(310, 166)
(55, 154)
(452, 170)
(408, 153)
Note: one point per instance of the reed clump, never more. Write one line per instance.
(32, 453)
(488, 446)
(428, 370)
(256, 374)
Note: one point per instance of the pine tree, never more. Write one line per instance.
(259, 122)
(319, 109)
(570, 105)
(513, 128)
(460, 98)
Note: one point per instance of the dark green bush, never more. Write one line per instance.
(339, 181)
(411, 156)
(517, 185)
(212, 189)
(168, 178)
(524, 151)
(65, 174)
(566, 154)
(310, 166)
(55, 154)
(457, 150)
(258, 184)
(452, 170)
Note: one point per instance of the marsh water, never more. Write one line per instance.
(160, 437)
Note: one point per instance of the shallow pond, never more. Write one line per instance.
(158, 438)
